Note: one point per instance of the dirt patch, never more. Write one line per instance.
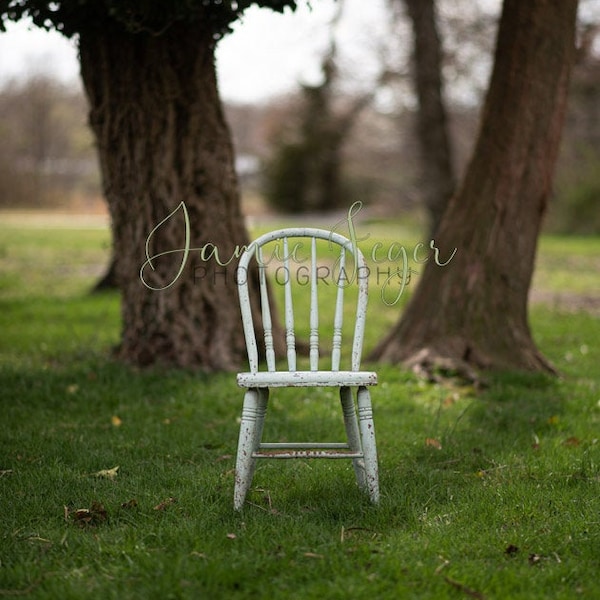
(54, 219)
(567, 301)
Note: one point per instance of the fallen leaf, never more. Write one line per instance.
(95, 515)
(553, 420)
(107, 473)
(572, 441)
(130, 504)
(312, 555)
(433, 443)
(37, 538)
(82, 516)
(347, 533)
(165, 503)
(464, 589)
(116, 421)
(534, 559)
(441, 567)
(511, 550)
(231, 536)
(451, 399)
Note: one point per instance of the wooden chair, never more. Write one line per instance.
(345, 268)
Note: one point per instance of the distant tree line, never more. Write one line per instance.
(47, 154)
(48, 158)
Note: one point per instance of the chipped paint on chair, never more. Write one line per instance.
(353, 384)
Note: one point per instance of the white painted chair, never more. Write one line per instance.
(288, 256)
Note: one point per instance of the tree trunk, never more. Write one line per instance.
(163, 141)
(437, 179)
(473, 311)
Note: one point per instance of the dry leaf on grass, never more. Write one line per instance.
(88, 517)
(349, 532)
(433, 443)
(534, 559)
(464, 589)
(107, 473)
(165, 503)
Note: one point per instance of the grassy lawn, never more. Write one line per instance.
(490, 493)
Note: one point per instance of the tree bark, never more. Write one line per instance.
(473, 311)
(437, 179)
(163, 140)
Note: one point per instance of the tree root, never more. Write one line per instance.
(431, 365)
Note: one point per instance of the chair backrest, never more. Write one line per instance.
(345, 267)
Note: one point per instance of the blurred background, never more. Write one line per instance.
(322, 108)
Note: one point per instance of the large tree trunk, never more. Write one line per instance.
(437, 179)
(473, 311)
(163, 140)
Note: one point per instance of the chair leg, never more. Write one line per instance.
(353, 435)
(367, 431)
(263, 399)
(253, 416)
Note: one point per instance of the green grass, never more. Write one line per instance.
(491, 493)
(569, 265)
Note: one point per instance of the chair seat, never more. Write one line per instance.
(267, 379)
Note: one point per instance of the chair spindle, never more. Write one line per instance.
(266, 313)
(338, 319)
(290, 337)
(314, 310)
